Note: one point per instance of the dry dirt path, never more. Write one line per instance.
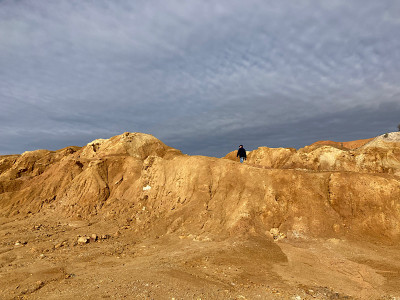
(40, 259)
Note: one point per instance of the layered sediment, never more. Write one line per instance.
(318, 190)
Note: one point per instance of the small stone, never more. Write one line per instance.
(276, 234)
(274, 231)
(59, 245)
(146, 188)
(105, 236)
(94, 237)
(83, 240)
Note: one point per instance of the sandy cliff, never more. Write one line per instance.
(317, 190)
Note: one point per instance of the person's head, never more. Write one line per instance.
(240, 146)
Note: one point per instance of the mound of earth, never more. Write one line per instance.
(346, 145)
(379, 155)
(131, 217)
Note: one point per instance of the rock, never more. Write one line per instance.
(146, 188)
(94, 237)
(37, 227)
(83, 240)
(276, 234)
(19, 243)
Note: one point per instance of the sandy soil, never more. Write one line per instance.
(40, 258)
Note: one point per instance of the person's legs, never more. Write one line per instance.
(241, 159)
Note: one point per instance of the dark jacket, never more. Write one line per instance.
(241, 153)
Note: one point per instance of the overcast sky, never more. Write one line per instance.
(202, 76)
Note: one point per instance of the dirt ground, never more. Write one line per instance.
(40, 258)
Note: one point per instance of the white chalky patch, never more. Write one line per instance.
(146, 188)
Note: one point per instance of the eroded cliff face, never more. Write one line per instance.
(315, 191)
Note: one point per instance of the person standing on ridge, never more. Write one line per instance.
(241, 154)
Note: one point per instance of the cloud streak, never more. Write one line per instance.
(195, 74)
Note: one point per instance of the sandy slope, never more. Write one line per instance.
(347, 145)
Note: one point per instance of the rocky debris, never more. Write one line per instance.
(276, 234)
(320, 292)
(81, 240)
(195, 238)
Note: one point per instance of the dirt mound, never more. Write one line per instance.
(380, 155)
(137, 145)
(391, 139)
(156, 188)
(346, 145)
(149, 200)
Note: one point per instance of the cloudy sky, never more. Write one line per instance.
(202, 76)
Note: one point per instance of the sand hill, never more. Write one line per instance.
(131, 217)
(347, 145)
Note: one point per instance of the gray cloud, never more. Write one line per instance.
(199, 75)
